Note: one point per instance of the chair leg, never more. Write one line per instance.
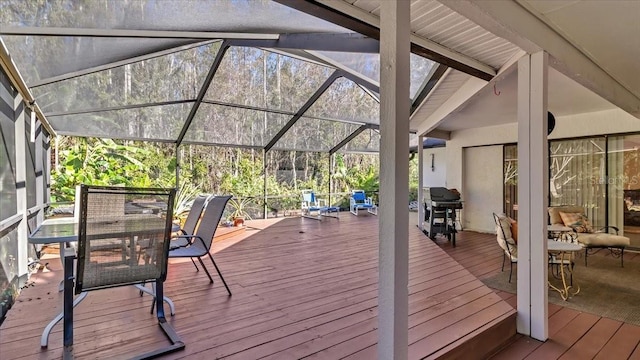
(586, 253)
(205, 270)
(503, 258)
(153, 303)
(219, 273)
(174, 338)
(510, 270)
(194, 264)
(622, 257)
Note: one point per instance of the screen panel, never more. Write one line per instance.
(172, 77)
(153, 123)
(369, 65)
(219, 124)
(259, 78)
(345, 100)
(366, 141)
(309, 134)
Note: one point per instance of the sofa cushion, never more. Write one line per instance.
(577, 221)
(554, 212)
(602, 240)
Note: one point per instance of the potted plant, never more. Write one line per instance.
(182, 203)
(239, 209)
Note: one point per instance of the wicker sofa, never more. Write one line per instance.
(600, 239)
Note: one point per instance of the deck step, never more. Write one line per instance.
(483, 342)
(476, 335)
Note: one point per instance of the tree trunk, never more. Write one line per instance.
(293, 171)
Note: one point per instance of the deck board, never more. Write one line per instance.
(572, 334)
(589, 345)
(308, 289)
(301, 288)
(622, 344)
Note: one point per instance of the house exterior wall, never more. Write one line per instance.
(436, 175)
(482, 190)
(613, 121)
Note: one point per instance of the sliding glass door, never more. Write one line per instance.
(510, 172)
(624, 185)
(577, 176)
(601, 174)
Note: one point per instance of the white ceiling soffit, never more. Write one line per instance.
(436, 22)
(453, 90)
(615, 45)
(596, 43)
(454, 95)
(439, 28)
(498, 105)
(368, 11)
(444, 89)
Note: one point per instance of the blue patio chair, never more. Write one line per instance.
(314, 208)
(360, 201)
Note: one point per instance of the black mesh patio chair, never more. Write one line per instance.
(193, 217)
(103, 260)
(191, 222)
(199, 244)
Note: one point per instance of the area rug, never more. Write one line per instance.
(606, 289)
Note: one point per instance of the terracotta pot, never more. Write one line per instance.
(238, 221)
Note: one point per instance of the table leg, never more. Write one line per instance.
(62, 247)
(67, 328)
(44, 339)
(172, 308)
(68, 304)
(565, 292)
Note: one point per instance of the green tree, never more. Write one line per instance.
(98, 162)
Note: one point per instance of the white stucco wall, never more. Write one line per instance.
(436, 176)
(481, 190)
(596, 123)
(588, 124)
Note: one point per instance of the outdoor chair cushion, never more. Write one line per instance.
(587, 239)
(576, 221)
(505, 237)
(602, 239)
(554, 212)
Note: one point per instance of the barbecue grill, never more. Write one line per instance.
(440, 206)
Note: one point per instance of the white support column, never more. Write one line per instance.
(330, 179)
(533, 187)
(394, 180)
(21, 182)
(40, 175)
(420, 182)
(47, 170)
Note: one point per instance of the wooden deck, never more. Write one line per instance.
(572, 334)
(301, 288)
